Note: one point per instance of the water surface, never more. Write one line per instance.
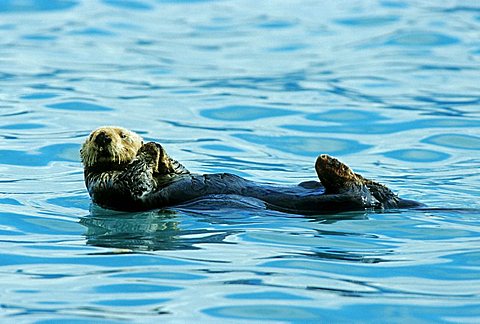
(258, 89)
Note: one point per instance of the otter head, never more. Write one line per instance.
(110, 146)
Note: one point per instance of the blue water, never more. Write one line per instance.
(259, 89)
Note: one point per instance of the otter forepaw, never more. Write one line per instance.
(156, 154)
(151, 152)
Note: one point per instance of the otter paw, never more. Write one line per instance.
(150, 152)
(151, 148)
(334, 175)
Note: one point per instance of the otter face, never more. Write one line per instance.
(110, 145)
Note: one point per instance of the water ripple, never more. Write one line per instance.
(245, 113)
(367, 21)
(420, 39)
(459, 141)
(267, 312)
(258, 90)
(417, 155)
(57, 152)
(311, 146)
(10, 6)
(78, 106)
(129, 4)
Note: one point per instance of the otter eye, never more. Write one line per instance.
(123, 135)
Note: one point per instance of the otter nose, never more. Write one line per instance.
(102, 139)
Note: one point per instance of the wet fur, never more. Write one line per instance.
(124, 147)
(124, 173)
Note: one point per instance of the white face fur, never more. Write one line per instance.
(110, 144)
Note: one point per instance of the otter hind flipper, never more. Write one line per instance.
(336, 176)
(339, 179)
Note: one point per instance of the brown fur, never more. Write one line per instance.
(335, 175)
(122, 149)
(121, 172)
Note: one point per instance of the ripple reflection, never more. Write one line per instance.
(145, 231)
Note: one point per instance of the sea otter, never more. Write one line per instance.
(124, 173)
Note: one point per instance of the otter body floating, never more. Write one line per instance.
(123, 173)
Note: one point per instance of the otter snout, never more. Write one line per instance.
(110, 144)
(102, 139)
